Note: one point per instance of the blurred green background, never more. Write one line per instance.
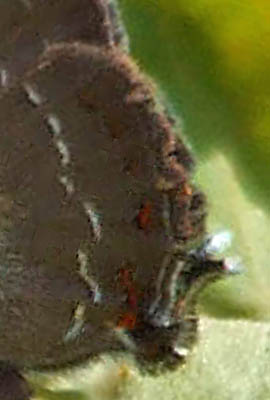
(211, 60)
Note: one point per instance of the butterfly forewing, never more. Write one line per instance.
(29, 26)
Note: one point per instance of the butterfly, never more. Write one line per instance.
(103, 243)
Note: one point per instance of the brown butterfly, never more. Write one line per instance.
(102, 238)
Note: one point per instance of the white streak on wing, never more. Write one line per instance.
(83, 262)
(77, 323)
(97, 295)
(160, 279)
(33, 96)
(54, 124)
(162, 315)
(173, 283)
(63, 150)
(162, 271)
(94, 219)
(4, 77)
(67, 183)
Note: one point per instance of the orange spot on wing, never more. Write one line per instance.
(144, 217)
(127, 321)
(187, 190)
(132, 298)
(124, 277)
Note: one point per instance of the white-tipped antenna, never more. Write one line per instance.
(233, 265)
(218, 243)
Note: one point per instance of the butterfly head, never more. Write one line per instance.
(166, 327)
